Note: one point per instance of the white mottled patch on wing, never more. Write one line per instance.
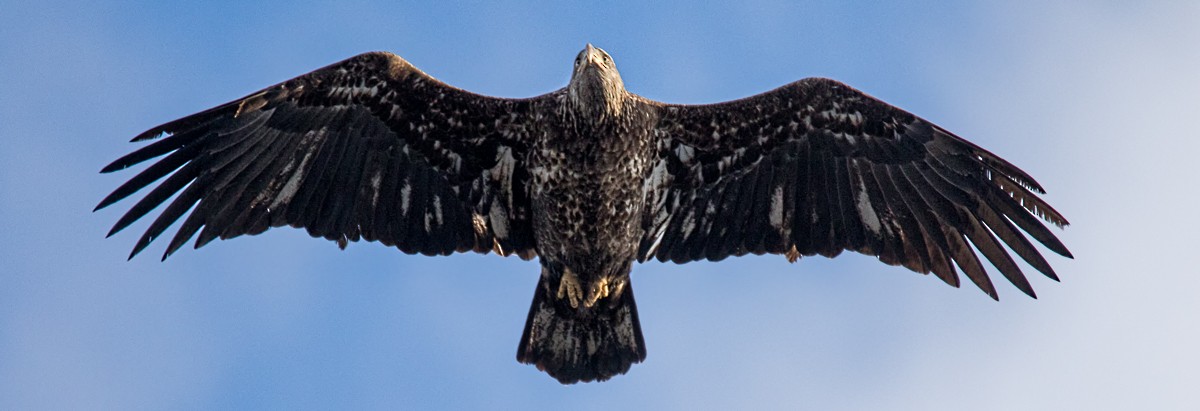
(685, 153)
(854, 118)
(657, 240)
(499, 218)
(479, 224)
(298, 171)
(502, 173)
(437, 209)
(776, 215)
(689, 224)
(866, 211)
(656, 181)
(405, 197)
(376, 180)
(352, 91)
(428, 221)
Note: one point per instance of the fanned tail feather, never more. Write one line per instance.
(573, 345)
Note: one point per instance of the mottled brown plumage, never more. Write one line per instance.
(589, 178)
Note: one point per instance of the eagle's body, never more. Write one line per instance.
(590, 179)
(587, 189)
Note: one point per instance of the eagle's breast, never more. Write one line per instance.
(586, 188)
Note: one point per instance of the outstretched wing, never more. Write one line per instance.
(816, 167)
(369, 147)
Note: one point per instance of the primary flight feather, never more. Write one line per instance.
(589, 179)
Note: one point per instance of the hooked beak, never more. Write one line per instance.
(592, 56)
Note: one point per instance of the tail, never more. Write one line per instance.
(573, 345)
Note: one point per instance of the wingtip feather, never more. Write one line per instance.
(153, 133)
(991, 293)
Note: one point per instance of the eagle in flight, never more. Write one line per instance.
(588, 179)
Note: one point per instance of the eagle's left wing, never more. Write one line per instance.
(816, 167)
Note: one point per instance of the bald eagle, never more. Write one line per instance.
(588, 179)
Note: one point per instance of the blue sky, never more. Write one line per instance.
(1097, 100)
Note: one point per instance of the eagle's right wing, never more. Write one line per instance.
(369, 147)
(816, 167)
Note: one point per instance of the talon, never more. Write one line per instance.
(597, 291)
(569, 286)
(617, 289)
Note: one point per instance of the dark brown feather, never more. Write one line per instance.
(330, 152)
(861, 175)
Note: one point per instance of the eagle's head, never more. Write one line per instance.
(596, 86)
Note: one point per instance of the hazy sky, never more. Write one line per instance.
(1097, 100)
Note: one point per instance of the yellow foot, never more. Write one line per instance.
(569, 287)
(597, 291)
